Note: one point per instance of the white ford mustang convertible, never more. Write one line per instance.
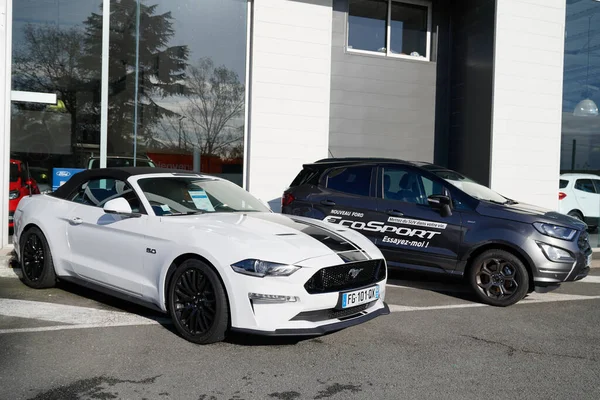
(201, 249)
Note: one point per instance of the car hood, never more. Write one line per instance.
(14, 186)
(527, 213)
(279, 238)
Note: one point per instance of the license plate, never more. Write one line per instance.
(359, 297)
(589, 260)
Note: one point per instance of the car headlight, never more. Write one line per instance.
(556, 254)
(263, 268)
(14, 194)
(555, 231)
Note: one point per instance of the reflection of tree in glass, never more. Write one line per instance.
(50, 60)
(161, 68)
(210, 113)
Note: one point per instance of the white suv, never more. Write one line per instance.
(579, 197)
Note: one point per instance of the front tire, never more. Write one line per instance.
(576, 214)
(197, 303)
(36, 260)
(499, 278)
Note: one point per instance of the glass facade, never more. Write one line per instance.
(580, 146)
(176, 85)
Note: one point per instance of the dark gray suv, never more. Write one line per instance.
(428, 218)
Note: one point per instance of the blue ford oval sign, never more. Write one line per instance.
(62, 175)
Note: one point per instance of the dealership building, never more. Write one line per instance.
(504, 91)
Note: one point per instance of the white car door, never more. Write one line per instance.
(107, 248)
(588, 199)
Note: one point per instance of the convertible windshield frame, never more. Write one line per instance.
(171, 195)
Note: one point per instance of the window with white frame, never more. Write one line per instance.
(395, 28)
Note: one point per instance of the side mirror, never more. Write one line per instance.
(119, 206)
(441, 203)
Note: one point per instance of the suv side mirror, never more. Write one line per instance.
(441, 203)
(119, 206)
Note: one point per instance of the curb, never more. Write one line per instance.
(7, 257)
(7, 272)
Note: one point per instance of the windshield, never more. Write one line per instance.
(183, 195)
(471, 187)
(14, 172)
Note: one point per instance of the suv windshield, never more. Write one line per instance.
(183, 195)
(471, 187)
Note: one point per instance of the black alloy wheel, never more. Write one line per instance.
(198, 303)
(36, 260)
(499, 278)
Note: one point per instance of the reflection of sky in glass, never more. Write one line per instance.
(211, 28)
(580, 149)
(583, 19)
(396, 36)
(64, 13)
(366, 33)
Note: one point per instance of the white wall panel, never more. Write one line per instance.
(290, 91)
(5, 110)
(528, 76)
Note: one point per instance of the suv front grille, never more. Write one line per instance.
(584, 241)
(345, 277)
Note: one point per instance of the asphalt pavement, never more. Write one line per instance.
(438, 343)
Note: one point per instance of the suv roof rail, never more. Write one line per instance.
(365, 159)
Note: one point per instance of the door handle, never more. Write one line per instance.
(76, 220)
(328, 203)
(394, 213)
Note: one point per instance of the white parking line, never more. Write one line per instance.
(72, 316)
(591, 279)
(533, 298)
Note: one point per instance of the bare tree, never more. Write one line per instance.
(215, 101)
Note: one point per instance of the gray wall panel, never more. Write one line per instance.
(382, 106)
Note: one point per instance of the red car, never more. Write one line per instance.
(20, 185)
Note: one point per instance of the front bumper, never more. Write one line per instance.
(320, 330)
(549, 273)
(306, 314)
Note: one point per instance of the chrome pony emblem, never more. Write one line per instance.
(353, 273)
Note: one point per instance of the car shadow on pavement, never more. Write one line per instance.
(244, 339)
(115, 304)
(446, 285)
(109, 302)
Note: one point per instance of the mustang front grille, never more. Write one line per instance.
(346, 277)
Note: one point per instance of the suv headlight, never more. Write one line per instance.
(13, 194)
(555, 231)
(556, 254)
(263, 268)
